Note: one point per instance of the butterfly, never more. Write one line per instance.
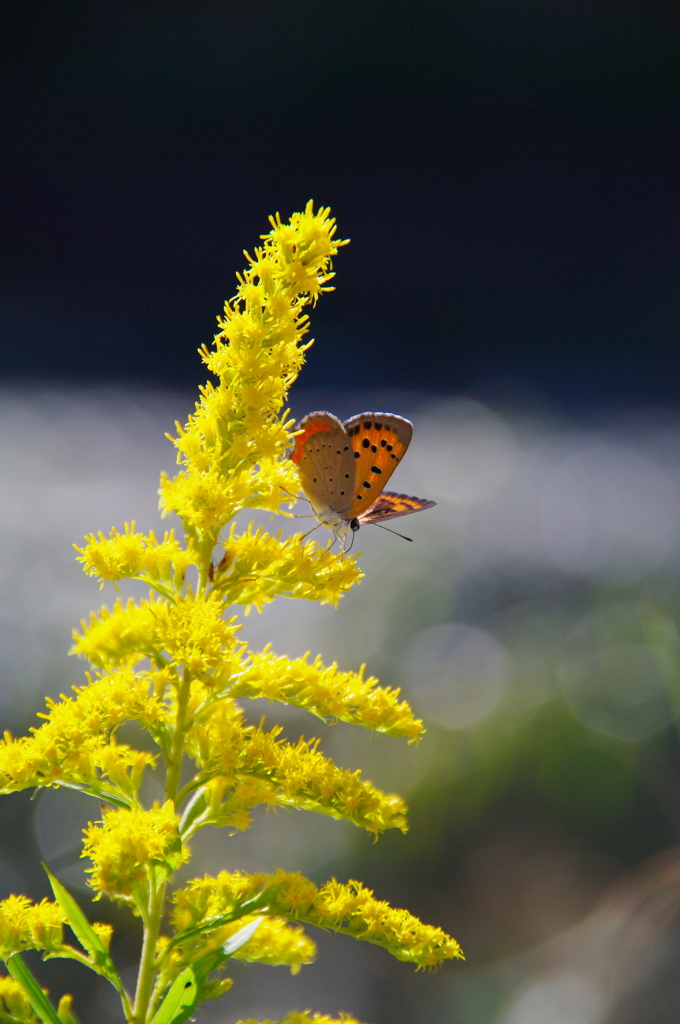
(343, 468)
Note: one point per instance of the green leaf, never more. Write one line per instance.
(216, 957)
(180, 1000)
(184, 993)
(105, 793)
(239, 938)
(257, 903)
(32, 989)
(84, 932)
(194, 809)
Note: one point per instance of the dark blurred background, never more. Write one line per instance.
(508, 175)
(507, 171)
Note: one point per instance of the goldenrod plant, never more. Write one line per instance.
(174, 664)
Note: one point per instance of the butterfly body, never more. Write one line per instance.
(344, 467)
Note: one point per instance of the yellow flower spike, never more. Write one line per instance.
(347, 908)
(289, 775)
(257, 356)
(174, 665)
(327, 692)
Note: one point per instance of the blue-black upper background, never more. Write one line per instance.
(507, 171)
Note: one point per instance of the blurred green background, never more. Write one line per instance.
(532, 624)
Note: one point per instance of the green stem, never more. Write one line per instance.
(172, 780)
(146, 976)
(206, 546)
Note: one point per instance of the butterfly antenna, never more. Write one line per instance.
(403, 536)
(298, 497)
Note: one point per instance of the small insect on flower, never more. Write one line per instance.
(343, 468)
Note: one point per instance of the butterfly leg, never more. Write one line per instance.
(309, 531)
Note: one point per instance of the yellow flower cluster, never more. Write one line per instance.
(27, 925)
(74, 746)
(275, 942)
(350, 909)
(307, 1017)
(257, 568)
(264, 769)
(328, 693)
(126, 846)
(190, 632)
(133, 555)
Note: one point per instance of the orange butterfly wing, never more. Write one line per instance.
(379, 440)
(390, 506)
(325, 461)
